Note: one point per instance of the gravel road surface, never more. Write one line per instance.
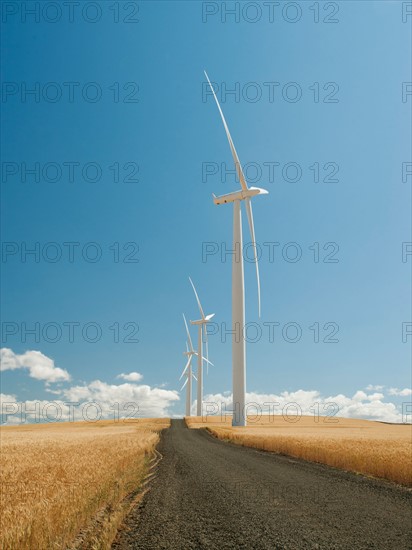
(208, 494)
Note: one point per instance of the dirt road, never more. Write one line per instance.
(208, 494)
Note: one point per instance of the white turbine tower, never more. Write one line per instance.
(238, 284)
(201, 323)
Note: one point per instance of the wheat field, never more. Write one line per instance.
(64, 485)
(371, 448)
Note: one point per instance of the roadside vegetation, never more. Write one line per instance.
(69, 485)
(371, 448)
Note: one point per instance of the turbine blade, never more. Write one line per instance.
(188, 333)
(184, 384)
(204, 359)
(231, 144)
(186, 367)
(252, 234)
(194, 376)
(197, 298)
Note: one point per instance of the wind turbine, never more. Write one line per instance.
(188, 381)
(190, 352)
(238, 283)
(201, 323)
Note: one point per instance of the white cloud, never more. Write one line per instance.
(406, 392)
(151, 402)
(6, 398)
(371, 387)
(12, 421)
(55, 392)
(360, 405)
(40, 366)
(131, 376)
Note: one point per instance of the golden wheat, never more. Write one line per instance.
(56, 479)
(371, 448)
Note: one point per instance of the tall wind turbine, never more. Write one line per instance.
(201, 323)
(238, 283)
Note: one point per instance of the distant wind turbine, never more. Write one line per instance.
(188, 381)
(201, 323)
(190, 352)
(238, 283)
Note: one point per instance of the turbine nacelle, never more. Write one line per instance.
(240, 195)
(203, 321)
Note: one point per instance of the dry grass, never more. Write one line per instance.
(59, 480)
(371, 448)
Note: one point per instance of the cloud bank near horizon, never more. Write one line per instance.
(132, 399)
(362, 405)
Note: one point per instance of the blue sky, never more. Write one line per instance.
(164, 140)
